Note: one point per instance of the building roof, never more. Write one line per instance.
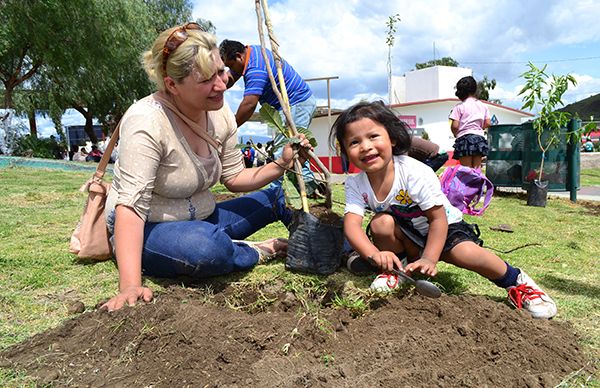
(321, 111)
(585, 108)
(456, 100)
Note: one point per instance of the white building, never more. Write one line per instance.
(423, 99)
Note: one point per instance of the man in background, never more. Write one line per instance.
(248, 62)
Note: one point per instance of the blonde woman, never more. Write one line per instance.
(175, 145)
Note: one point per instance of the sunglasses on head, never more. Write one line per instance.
(175, 40)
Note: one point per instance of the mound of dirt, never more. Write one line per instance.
(187, 337)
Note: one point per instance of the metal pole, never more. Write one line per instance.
(328, 79)
(329, 117)
(573, 165)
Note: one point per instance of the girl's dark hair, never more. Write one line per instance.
(398, 131)
(465, 87)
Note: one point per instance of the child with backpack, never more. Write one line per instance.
(412, 215)
(469, 119)
(248, 153)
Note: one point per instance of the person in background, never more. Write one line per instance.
(261, 155)
(80, 154)
(427, 152)
(248, 153)
(248, 62)
(413, 217)
(95, 154)
(176, 144)
(269, 151)
(469, 118)
(588, 146)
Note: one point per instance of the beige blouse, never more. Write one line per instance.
(159, 176)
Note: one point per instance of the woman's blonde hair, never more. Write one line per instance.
(196, 52)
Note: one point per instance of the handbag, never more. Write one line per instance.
(90, 239)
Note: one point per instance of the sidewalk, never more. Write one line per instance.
(588, 193)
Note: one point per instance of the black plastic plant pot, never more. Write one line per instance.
(537, 193)
(314, 246)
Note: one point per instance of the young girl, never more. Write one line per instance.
(469, 119)
(412, 215)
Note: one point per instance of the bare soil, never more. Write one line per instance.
(325, 215)
(230, 335)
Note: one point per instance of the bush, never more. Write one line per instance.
(31, 146)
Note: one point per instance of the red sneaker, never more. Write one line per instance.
(528, 295)
(385, 282)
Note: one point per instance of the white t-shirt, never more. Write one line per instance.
(416, 189)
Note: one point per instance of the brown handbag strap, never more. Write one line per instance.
(195, 127)
(101, 168)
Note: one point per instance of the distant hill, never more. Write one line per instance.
(585, 109)
(254, 138)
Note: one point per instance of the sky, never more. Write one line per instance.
(347, 39)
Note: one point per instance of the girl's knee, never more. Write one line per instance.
(382, 224)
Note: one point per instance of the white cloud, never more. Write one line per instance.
(346, 38)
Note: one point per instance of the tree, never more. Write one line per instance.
(169, 13)
(106, 78)
(483, 89)
(389, 41)
(544, 92)
(20, 54)
(81, 54)
(445, 61)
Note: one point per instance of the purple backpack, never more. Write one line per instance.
(465, 186)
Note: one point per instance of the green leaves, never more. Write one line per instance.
(390, 26)
(545, 93)
(82, 54)
(272, 118)
(292, 197)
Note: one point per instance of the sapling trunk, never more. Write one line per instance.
(281, 96)
(283, 99)
(543, 156)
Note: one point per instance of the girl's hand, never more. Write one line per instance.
(423, 265)
(287, 156)
(385, 260)
(130, 296)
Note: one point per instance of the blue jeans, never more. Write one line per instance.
(302, 114)
(203, 248)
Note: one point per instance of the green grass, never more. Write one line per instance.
(590, 177)
(38, 277)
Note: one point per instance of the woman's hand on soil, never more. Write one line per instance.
(385, 260)
(423, 265)
(129, 295)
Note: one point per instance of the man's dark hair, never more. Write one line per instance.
(229, 48)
